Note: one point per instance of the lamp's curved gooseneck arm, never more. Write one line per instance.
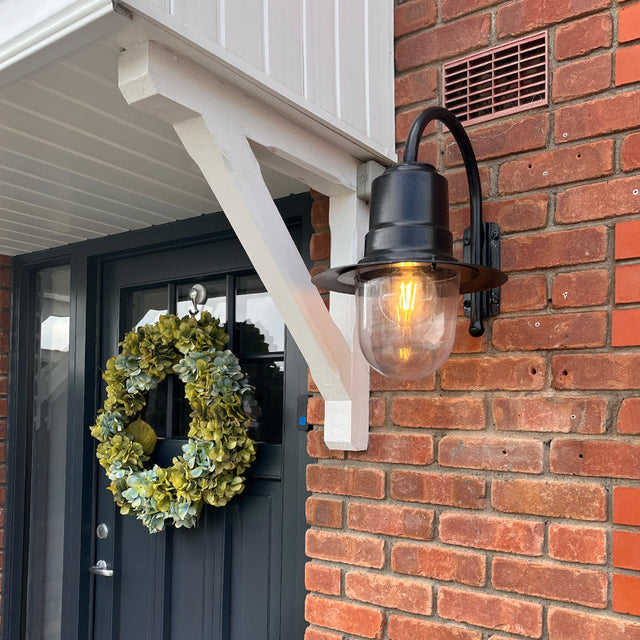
(445, 116)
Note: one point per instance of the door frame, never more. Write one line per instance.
(85, 260)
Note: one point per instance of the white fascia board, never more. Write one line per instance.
(220, 127)
(44, 34)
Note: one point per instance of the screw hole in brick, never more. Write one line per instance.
(580, 456)
(533, 371)
(579, 155)
(504, 452)
(565, 372)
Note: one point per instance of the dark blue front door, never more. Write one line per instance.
(239, 574)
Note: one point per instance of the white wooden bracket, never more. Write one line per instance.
(228, 134)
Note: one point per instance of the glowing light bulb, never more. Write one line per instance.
(407, 319)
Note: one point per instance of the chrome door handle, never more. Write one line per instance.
(101, 568)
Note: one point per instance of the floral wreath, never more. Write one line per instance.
(219, 449)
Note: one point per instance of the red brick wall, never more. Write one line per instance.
(500, 498)
(5, 303)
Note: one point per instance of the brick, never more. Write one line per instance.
(493, 612)
(569, 625)
(390, 520)
(558, 331)
(443, 42)
(550, 414)
(512, 214)
(403, 628)
(438, 413)
(581, 288)
(627, 240)
(495, 534)
(627, 65)
(524, 293)
(5, 278)
(350, 481)
(626, 549)
(455, 8)
(466, 343)
(398, 448)
(596, 371)
(628, 421)
(554, 582)
(414, 15)
(626, 594)
(495, 141)
(440, 563)
(379, 382)
(577, 544)
(459, 185)
(608, 458)
(416, 86)
(628, 283)
(527, 15)
(571, 164)
(320, 246)
(624, 328)
(320, 213)
(389, 592)
(340, 547)
(316, 447)
(556, 249)
(467, 492)
(491, 453)
(506, 374)
(619, 112)
(629, 23)
(322, 579)
(555, 499)
(626, 505)
(582, 78)
(344, 616)
(599, 200)
(322, 512)
(317, 634)
(583, 36)
(630, 152)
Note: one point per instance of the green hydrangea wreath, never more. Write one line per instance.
(218, 451)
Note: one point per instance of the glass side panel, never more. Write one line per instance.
(259, 326)
(48, 475)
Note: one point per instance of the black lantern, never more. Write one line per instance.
(408, 282)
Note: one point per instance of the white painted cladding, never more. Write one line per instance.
(332, 59)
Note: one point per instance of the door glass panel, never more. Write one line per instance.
(259, 326)
(146, 306)
(216, 303)
(265, 405)
(48, 476)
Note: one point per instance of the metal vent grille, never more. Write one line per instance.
(499, 81)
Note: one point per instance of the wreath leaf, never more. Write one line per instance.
(143, 433)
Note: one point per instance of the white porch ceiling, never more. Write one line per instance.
(76, 162)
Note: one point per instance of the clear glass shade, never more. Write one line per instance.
(407, 319)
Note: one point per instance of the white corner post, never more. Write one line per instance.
(226, 132)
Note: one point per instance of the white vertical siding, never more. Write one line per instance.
(331, 58)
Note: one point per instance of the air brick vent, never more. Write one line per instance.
(498, 81)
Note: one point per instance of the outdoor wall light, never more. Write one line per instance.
(408, 282)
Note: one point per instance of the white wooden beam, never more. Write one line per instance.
(223, 131)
